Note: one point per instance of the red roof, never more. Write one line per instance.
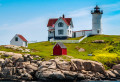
(51, 30)
(20, 36)
(53, 21)
(82, 30)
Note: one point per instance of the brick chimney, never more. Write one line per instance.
(63, 16)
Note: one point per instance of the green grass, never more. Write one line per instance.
(75, 38)
(107, 53)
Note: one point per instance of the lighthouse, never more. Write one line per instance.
(96, 21)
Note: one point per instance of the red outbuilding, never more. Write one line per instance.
(59, 49)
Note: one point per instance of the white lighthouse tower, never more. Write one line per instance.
(96, 21)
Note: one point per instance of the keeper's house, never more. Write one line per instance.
(60, 28)
(19, 40)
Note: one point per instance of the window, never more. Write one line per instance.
(25, 43)
(60, 32)
(97, 31)
(60, 24)
(68, 32)
(16, 38)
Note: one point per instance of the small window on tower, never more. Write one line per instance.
(97, 31)
(16, 38)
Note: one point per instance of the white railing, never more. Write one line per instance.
(83, 38)
(65, 41)
(69, 41)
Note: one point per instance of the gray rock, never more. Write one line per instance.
(50, 74)
(26, 76)
(116, 67)
(8, 71)
(63, 65)
(2, 62)
(111, 74)
(81, 76)
(70, 75)
(31, 67)
(88, 65)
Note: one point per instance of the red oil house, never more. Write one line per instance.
(59, 49)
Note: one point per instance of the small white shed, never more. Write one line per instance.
(19, 40)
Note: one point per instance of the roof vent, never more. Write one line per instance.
(63, 16)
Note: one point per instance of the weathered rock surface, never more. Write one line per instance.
(116, 67)
(24, 67)
(87, 65)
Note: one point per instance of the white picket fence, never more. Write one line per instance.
(69, 41)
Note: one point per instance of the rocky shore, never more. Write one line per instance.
(24, 67)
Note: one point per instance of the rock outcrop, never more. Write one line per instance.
(24, 67)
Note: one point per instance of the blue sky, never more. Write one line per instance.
(30, 17)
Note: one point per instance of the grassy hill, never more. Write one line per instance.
(107, 53)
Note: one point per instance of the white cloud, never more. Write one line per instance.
(35, 29)
(82, 18)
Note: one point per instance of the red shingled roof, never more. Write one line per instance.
(51, 30)
(53, 21)
(20, 36)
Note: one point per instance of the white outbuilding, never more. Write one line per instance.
(19, 40)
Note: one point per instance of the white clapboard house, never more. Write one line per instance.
(60, 28)
(19, 40)
(96, 24)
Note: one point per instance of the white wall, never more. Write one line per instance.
(69, 31)
(24, 44)
(17, 43)
(96, 23)
(82, 33)
(78, 34)
(88, 32)
(64, 28)
(50, 34)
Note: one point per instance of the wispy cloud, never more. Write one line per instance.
(83, 19)
(32, 29)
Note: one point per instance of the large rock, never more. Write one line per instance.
(31, 67)
(8, 54)
(81, 50)
(87, 65)
(116, 67)
(2, 52)
(8, 71)
(2, 62)
(8, 62)
(70, 75)
(111, 74)
(50, 74)
(26, 76)
(63, 65)
(48, 64)
(81, 76)
(17, 58)
(22, 64)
